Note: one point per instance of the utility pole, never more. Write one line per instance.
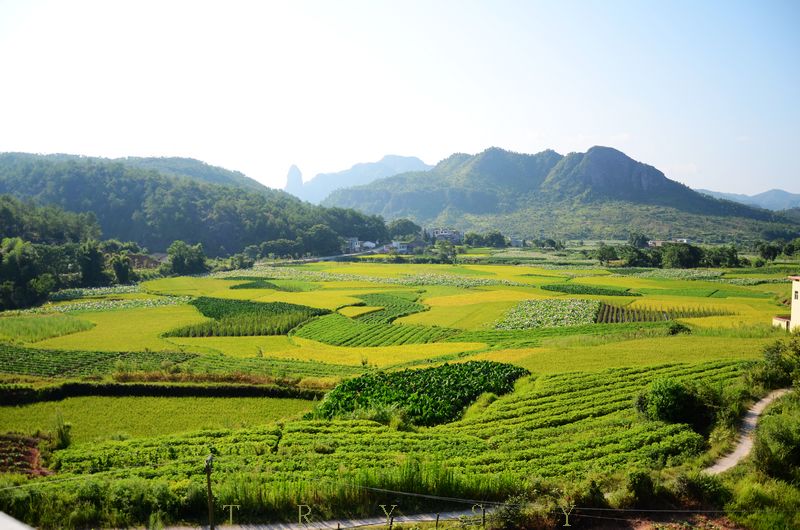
(209, 464)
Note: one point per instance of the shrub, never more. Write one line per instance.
(672, 401)
(676, 328)
(776, 447)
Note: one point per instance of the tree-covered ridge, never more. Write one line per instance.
(134, 204)
(600, 193)
(44, 224)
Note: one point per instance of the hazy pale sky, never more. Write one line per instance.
(705, 91)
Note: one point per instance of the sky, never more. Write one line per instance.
(706, 91)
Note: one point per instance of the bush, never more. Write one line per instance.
(780, 365)
(676, 328)
(672, 401)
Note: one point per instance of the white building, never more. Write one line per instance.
(792, 321)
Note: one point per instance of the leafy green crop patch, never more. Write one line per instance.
(550, 313)
(428, 397)
(238, 318)
(577, 288)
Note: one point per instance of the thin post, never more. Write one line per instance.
(209, 465)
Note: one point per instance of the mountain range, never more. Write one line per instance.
(601, 193)
(319, 187)
(771, 200)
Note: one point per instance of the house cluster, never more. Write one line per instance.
(653, 243)
(352, 245)
(791, 322)
(448, 234)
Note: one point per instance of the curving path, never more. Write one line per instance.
(745, 435)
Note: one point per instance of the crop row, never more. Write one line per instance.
(590, 427)
(266, 366)
(610, 314)
(51, 363)
(236, 318)
(105, 305)
(503, 444)
(578, 288)
(414, 280)
(339, 330)
(394, 307)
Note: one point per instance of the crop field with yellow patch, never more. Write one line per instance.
(580, 357)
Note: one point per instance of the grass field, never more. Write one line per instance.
(100, 418)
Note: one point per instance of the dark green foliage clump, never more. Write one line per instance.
(427, 397)
(576, 288)
(238, 318)
(674, 401)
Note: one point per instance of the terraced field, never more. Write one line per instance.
(314, 326)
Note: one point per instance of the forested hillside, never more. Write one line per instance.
(601, 193)
(153, 209)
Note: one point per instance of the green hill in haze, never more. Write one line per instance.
(602, 193)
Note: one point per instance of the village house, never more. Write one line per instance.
(791, 322)
(448, 234)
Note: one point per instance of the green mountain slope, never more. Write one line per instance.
(601, 193)
(154, 209)
(169, 166)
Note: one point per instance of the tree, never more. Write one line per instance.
(474, 239)
(186, 259)
(92, 262)
(495, 239)
(400, 228)
(121, 265)
(320, 240)
(606, 253)
(681, 256)
(768, 251)
(638, 240)
(22, 281)
(445, 250)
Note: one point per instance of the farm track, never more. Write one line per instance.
(745, 435)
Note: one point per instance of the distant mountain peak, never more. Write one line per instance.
(319, 187)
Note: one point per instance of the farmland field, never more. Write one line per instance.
(557, 357)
